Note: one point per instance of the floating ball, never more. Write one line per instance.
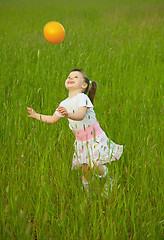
(54, 32)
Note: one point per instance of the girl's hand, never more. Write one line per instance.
(31, 112)
(63, 111)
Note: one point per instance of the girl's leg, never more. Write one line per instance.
(85, 171)
(85, 177)
(101, 171)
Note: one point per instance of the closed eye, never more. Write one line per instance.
(72, 77)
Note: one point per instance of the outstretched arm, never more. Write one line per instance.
(78, 116)
(44, 118)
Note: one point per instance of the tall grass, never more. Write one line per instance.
(120, 45)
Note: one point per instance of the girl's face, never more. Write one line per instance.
(75, 81)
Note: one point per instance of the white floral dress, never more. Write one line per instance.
(96, 151)
(92, 149)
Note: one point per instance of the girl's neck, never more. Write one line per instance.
(73, 93)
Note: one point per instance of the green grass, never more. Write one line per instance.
(120, 45)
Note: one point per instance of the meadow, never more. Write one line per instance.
(119, 44)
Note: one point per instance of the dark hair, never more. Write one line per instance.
(93, 89)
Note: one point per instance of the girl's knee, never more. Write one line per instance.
(85, 170)
(84, 167)
(101, 170)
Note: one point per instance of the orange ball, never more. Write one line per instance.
(54, 32)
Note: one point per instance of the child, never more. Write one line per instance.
(92, 147)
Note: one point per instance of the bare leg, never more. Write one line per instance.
(85, 171)
(100, 170)
(86, 176)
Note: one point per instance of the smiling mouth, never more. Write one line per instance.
(70, 82)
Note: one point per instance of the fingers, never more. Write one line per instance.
(62, 110)
(30, 111)
(62, 113)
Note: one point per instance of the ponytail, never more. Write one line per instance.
(92, 91)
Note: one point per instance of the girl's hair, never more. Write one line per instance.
(93, 89)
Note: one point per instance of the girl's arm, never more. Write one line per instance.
(44, 118)
(78, 116)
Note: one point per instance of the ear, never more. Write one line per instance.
(84, 85)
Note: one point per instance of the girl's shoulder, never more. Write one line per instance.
(82, 96)
(64, 102)
(78, 97)
(84, 100)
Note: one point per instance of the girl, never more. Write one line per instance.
(92, 147)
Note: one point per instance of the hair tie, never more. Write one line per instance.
(90, 82)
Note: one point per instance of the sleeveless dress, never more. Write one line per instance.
(92, 146)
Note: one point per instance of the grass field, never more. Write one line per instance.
(120, 45)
